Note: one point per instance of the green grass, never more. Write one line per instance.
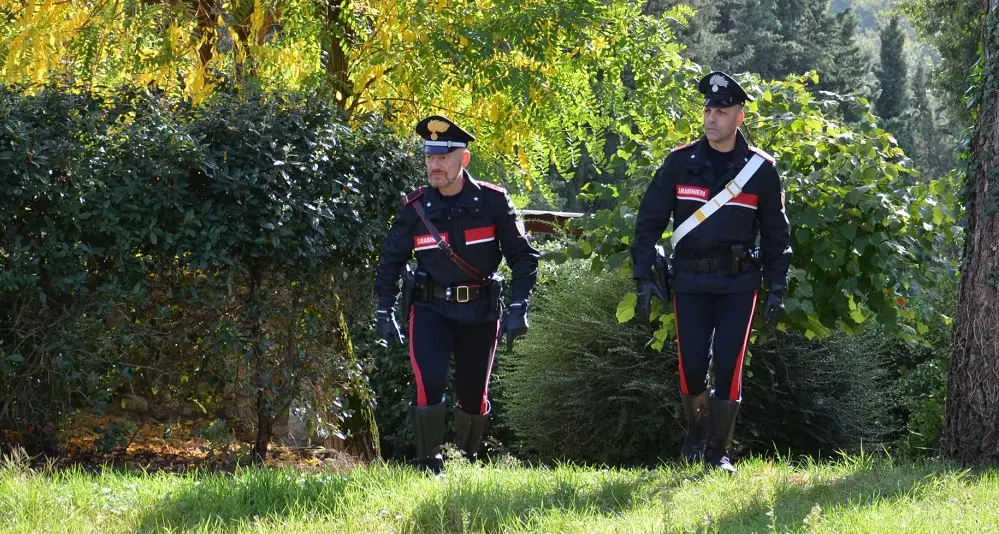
(866, 494)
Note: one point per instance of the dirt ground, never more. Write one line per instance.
(176, 447)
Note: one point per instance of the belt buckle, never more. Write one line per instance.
(461, 293)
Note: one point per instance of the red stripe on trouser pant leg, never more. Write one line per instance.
(736, 392)
(679, 353)
(484, 408)
(421, 393)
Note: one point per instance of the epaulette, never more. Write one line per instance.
(494, 187)
(408, 198)
(686, 146)
(766, 156)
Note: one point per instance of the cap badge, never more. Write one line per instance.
(437, 127)
(717, 80)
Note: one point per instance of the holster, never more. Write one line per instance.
(424, 291)
(661, 272)
(742, 257)
(408, 291)
(495, 292)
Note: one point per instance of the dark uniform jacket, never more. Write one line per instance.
(683, 184)
(482, 227)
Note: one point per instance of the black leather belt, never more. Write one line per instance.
(702, 265)
(722, 264)
(462, 293)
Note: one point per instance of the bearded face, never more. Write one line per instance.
(444, 170)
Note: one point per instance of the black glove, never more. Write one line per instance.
(773, 308)
(644, 289)
(514, 323)
(387, 328)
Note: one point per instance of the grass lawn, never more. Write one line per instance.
(858, 494)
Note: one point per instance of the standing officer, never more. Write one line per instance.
(721, 194)
(459, 229)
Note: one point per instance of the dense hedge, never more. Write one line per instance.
(582, 387)
(189, 253)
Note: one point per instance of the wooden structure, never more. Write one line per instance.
(549, 222)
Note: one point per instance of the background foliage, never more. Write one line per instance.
(197, 254)
(574, 103)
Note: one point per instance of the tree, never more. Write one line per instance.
(958, 44)
(972, 412)
(703, 37)
(849, 66)
(777, 38)
(932, 137)
(893, 73)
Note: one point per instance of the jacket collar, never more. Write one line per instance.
(740, 155)
(470, 195)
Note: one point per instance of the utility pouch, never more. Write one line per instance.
(424, 287)
(739, 258)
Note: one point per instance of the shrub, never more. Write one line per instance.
(199, 252)
(580, 386)
(583, 387)
(922, 378)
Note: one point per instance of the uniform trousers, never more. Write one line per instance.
(432, 340)
(725, 317)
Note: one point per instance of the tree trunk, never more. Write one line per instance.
(972, 417)
(265, 412)
(361, 429)
(206, 16)
(334, 49)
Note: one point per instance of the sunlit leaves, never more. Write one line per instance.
(867, 235)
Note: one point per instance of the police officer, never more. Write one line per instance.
(716, 266)
(459, 229)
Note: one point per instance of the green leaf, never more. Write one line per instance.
(938, 215)
(626, 308)
(848, 230)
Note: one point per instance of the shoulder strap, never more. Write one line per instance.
(408, 198)
(441, 244)
(732, 190)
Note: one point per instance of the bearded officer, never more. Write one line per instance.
(459, 229)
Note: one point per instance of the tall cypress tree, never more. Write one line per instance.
(932, 146)
(893, 73)
(849, 68)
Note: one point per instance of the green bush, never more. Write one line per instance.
(580, 386)
(583, 387)
(161, 248)
(817, 396)
(922, 378)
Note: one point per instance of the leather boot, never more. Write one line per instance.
(722, 415)
(428, 431)
(696, 409)
(469, 429)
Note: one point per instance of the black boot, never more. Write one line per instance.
(428, 429)
(722, 416)
(469, 428)
(696, 409)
